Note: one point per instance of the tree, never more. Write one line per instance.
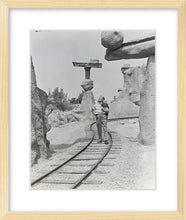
(59, 98)
(73, 101)
(78, 99)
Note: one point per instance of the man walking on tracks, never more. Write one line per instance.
(100, 110)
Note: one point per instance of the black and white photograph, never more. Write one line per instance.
(93, 110)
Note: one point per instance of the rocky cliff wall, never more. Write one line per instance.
(147, 107)
(39, 123)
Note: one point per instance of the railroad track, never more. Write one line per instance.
(88, 157)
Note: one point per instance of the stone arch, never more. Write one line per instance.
(140, 48)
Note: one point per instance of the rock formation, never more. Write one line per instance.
(87, 85)
(39, 123)
(129, 95)
(147, 106)
(133, 80)
(141, 48)
(112, 40)
(88, 97)
(86, 104)
(59, 118)
(122, 107)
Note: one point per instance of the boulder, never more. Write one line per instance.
(111, 39)
(87, 84)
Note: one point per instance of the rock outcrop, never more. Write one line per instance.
(88, 97)
(122, 107)
(133, 81)
(141, 48)
(147, 107)
(86, 105)
(39, 123)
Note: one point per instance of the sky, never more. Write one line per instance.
(53, 52)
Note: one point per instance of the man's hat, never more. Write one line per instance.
(101, 98)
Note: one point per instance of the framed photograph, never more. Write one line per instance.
(92, 111)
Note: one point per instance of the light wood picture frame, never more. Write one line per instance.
(5, 5)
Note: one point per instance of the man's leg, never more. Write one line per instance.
(104, 124)
(99, 127)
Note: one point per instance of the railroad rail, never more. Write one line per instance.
(101, 152)
(122, 118)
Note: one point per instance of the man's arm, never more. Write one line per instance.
(92, 110)
(105, 109)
